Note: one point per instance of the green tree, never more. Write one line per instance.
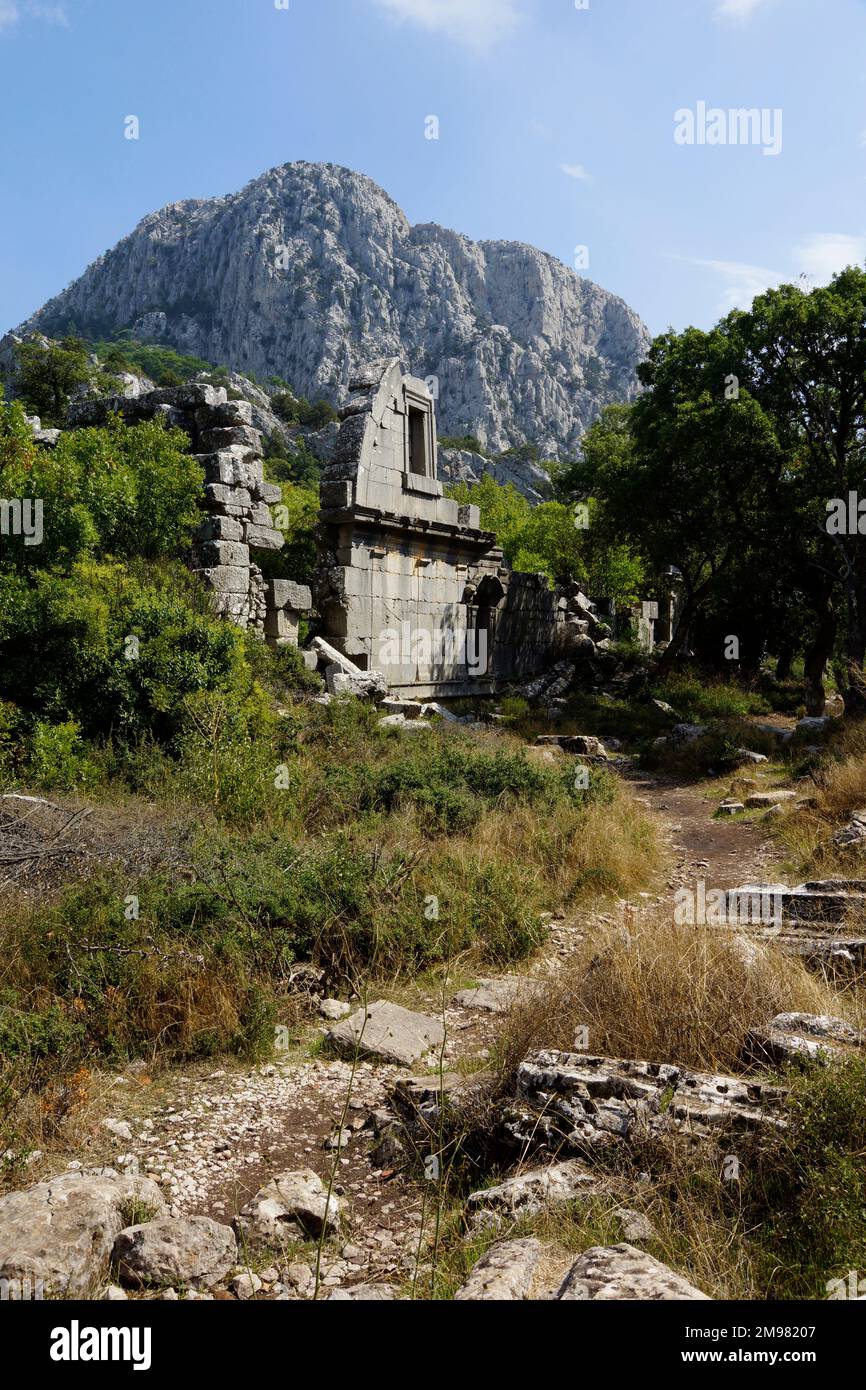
(46, 376)
(802, 354)
(124, 490)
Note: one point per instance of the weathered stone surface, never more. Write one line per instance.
(504, 1274)
(758, 800)
(334, 1009)
(496, 996)
(731, 808)
(365, 685)
(193, 1250)
(635, 1226)
(581, 1103)
(61, 1232)
(291, 1207)
(388, 1032)
(286, 594)
(581, 744)
(577, 344)
(532, 1192)
(745, 755)
(853, 834)
(687, 733)
(793, 1037)
(620, 1272)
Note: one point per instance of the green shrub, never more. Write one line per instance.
(58, 757)
(115, 654)
(805, 1191)
(125, 490)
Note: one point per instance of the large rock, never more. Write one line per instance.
(581, 1104)
(532, 1192)
(60, 1233)
(504, 1274)
(193, 1251)
(497, 996)
(312, 270)
(797, 1038)
(620, 1272)
(294, 1206)
(389, 1033)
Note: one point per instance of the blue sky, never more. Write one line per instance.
(556, 127)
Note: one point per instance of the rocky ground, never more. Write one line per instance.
(239, 1170)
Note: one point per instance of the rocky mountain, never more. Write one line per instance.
(312, 269)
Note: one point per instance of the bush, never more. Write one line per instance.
(59, 758)
(116, 654)
(125, 490)
(697, 697)
(805, 1192)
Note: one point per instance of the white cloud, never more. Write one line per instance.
(823, 253)
(477, 23)
(740, 11)
(818, 258)
(740, 282)
(11, 13)
(576, 171)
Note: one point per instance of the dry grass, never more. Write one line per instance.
(666, 993)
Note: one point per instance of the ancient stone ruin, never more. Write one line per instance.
(408, 586)
(237, 501)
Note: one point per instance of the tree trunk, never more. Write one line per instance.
(784, 661)
(815, 661)
(678, 639)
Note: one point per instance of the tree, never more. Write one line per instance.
(690, 474)
(46, 374)
(803, 356)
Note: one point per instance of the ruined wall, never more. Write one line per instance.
(236, 503)
(408, 584)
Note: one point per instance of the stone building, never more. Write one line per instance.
(408, 584)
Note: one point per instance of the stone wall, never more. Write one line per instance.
(408, 584)
(236, 503)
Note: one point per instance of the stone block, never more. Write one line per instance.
(621, 1272)
(224, 416)
(233, 435)
(224, 579)
(219, 528)
(263, 537)
(389, 1033)
(285, 593)
(231, 501)
(232, 554)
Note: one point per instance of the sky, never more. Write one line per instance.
(598, 130)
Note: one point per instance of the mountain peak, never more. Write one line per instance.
(312, 269)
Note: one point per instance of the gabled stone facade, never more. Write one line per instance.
(408, 584)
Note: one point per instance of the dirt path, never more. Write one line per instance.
(213, 1137)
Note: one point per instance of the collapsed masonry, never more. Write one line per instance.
(237, 501)
(408, 584)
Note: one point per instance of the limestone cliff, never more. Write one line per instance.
(312, 269)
